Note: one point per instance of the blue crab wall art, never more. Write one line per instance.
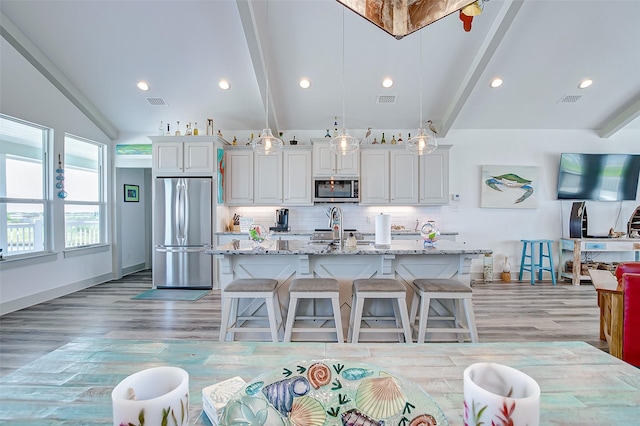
(511, 180)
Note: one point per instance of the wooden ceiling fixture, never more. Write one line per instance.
(402, 17)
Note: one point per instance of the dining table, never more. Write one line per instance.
(580, 384)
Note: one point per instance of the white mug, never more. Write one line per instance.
(498, 394)
(155, 396)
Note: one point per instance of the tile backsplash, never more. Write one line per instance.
(354, 216)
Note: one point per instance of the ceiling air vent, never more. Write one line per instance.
(386, 99)
(156, 101)
(569, 99)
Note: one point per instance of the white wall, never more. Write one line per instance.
(26, 94)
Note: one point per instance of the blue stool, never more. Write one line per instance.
(533, 264)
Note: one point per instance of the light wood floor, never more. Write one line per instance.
(504, 313)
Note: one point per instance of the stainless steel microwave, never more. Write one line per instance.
(336, 191)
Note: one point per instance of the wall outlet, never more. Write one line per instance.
(455, 197)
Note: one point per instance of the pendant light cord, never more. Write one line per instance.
(344, 126)
(266, 68)
(420, 121)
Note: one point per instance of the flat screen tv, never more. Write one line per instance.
(599, 177)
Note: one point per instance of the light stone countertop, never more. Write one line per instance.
(310, 233)
(300, 247)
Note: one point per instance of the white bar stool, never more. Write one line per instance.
(379, 288)
(429, 289)
(250, 288)
(313, 288)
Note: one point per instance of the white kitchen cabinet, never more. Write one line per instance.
(374, 179)
(267, 179)
(327, 163)
(403, 182)
(392, 175)
(434, 177)
(238, 180)
(282, 178)
(183, 155)
(297, 183)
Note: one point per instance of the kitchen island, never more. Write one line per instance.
(285, 260)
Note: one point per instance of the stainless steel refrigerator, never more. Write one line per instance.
(182, 223)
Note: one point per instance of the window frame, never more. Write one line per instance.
(45, 201)
(101, 202)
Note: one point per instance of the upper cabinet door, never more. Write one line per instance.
(297, 182)
(374, 181)
(434, 177)
(348, 165)
(267, 180)
(404, 180)
(324, 161)
(238, 184)
(167, 157)
(199, 157)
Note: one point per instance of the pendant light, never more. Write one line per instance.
(424, 142)
(343, 144)
(266, 143)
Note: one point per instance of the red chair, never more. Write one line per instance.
(627, 267)
(628, 276)
(631, 330)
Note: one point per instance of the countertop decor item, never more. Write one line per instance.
(328, 392)
(155, 396)
(429, 233)
(497, 394)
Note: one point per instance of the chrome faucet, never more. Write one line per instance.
(335, 223)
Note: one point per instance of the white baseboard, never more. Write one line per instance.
(45, 296)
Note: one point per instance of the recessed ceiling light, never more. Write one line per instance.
(142, 85)
(305, 83)
(224, 85)
(387, 82)
(585, 83)
(496, 82)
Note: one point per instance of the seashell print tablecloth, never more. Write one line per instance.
(331, 393)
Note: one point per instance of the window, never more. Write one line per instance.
(23, 183)
(84, 206)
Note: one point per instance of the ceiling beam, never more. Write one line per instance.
(31, 53)
(621, 120)
(258, 57)
(494, 37)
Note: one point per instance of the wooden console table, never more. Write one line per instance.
(611, 303)
(578, 246)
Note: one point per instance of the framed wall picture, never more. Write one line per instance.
(510, 187)
(131, 193)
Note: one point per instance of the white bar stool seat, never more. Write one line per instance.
(250, 288)
(379, 288)
(429, 289)
(313, 288)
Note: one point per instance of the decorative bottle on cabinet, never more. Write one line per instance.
(488, 268)
(382, 140)
(335, 127)
(195, 128)
(393, 140)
